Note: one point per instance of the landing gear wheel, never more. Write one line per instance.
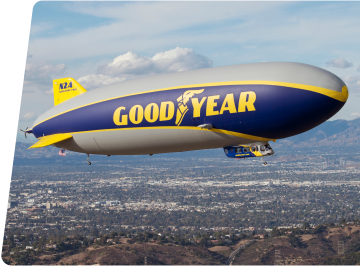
(88, 159)
(263, 161)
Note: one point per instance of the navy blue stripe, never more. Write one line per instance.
(280, 112)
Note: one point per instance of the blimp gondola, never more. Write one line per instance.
(232, 107)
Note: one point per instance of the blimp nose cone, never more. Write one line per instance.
(301, 106)
(337, 94)
(345, 93)
(319, 105)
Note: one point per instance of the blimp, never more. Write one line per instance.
(240, 108)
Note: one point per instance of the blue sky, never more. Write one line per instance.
(99, 43)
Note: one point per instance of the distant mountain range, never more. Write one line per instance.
(330, 133)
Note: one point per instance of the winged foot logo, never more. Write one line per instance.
(182, 107)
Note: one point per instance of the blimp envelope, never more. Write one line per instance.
(248, 104)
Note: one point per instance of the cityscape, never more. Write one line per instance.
(177, 196)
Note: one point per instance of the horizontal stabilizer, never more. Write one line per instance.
(49, 140)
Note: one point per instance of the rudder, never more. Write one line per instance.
(65, 89)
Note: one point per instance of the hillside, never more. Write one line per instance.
(320, 246)
(134, 254)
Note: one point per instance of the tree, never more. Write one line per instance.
(319, 229)
(342, 220)
(198, 235)
(22, 259)
(7, 261)
(113, 234)
(10, 241)
(275, 232)
(218, 235)
(95, 232)
(103, 240)
(177, 238)
(204, 241)
(306, 225)
(295, 240)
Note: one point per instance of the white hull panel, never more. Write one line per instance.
(148, 141)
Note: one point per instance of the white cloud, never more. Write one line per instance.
(28, 116)
(131, 65)
(339, 63)
(351, 78)
(180, 59)
(50, 91)
(93, 81)
(39, 28)
(28, 90)
(42, 73)
(353, 83)
(355, 114)
(175, 60)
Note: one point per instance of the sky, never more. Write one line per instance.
(100, 43)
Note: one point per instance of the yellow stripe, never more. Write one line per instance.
(227, 132)
(240, 135)
(340, 96)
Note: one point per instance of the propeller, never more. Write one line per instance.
(25, 131)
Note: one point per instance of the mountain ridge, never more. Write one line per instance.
(337, 132)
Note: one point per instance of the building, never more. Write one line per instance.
(12, 204)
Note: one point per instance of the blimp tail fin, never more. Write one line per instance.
(49, 140)
(65, 89)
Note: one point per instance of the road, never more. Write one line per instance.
(232, 255)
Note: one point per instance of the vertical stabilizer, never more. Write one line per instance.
(66, 88)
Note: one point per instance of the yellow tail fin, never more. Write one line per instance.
(66, 88)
